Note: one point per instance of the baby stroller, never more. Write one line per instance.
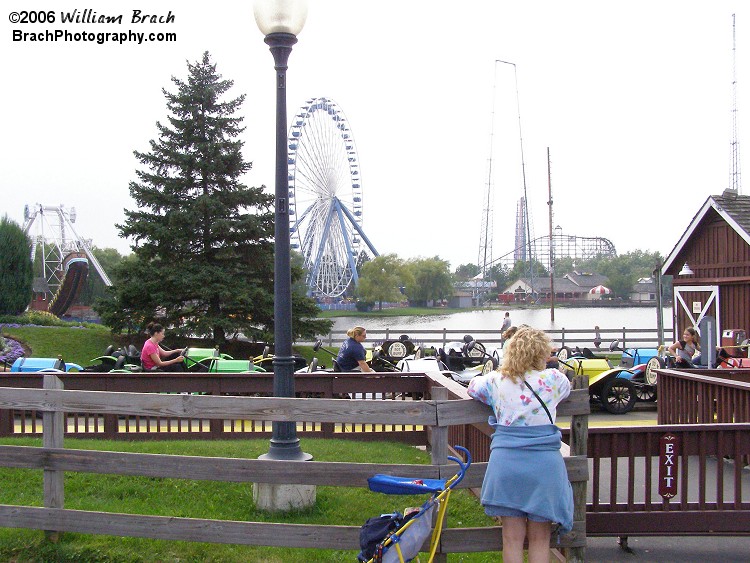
(392, 538)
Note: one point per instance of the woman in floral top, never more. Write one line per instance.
(526, 482)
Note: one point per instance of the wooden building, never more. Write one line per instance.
(711, 265)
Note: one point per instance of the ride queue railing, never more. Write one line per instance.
(703, 396)
(628, 337)
(705, 415)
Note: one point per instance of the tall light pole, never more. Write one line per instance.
(281, 21)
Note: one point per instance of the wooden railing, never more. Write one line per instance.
(385, 386)
(703, 396)
(708, 418)
(711, 481)
(437, 413)
(630, 337)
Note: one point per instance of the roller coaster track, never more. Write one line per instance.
(571, 246)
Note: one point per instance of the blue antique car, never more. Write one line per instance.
(30, 365)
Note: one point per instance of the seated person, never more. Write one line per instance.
(152, 355)
(352, 354)
(684, 349)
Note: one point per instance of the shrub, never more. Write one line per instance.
(364, 306)
(16, 274)
(11, 350)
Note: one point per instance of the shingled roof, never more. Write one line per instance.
(733, 208)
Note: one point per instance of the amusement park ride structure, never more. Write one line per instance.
(325, 198)
(528, 250)
(65, 255)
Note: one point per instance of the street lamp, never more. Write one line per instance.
(281, 21)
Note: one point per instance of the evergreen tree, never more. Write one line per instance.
(16, 275)
(203, 255)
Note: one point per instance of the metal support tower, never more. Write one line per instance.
(484, 257)
(520, 252)
(735, 177)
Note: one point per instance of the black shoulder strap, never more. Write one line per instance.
(526, 383)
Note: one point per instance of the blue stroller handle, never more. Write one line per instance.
(464, 451)
(463, 466)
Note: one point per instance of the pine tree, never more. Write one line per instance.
(203, 253)
(16, 275)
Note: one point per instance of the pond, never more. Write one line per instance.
(568, 318)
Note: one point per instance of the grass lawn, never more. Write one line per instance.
(76, 345)
(205, 499)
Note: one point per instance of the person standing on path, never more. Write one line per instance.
(506, 325)
(526, 483)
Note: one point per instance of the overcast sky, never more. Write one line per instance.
(633, 100)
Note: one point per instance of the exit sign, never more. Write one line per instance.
(669, 451)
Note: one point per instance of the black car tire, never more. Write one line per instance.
(618, 395)
(646, 393)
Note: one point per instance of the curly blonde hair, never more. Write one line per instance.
(527, 350)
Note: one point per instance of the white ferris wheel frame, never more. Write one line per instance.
(325, 196)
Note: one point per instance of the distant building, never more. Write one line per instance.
(573, 286)
(461, 299)
(644, 291)
(40, 295)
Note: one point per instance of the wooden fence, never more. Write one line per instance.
(703, 396)
(628, 337)
(437, 412)
(385, 386)
(712, 484)
(708, 419)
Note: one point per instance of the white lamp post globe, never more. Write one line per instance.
(280, 16)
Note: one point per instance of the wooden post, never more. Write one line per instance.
(439, 439)
(52, 437)
(6, 422)
(439, 455)
(579, 432)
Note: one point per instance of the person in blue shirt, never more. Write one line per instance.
(352, 353)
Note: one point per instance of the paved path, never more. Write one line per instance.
(644, 414)
(667, 550)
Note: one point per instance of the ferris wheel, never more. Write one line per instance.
(325, 197)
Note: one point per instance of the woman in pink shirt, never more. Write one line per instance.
(153, 356)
